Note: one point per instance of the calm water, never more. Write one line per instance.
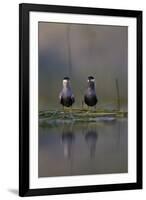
(67, 149)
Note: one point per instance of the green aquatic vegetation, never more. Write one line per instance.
(56, 117)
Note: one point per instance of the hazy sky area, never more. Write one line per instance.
(79, 51)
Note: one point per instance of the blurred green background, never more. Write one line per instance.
(79, 50)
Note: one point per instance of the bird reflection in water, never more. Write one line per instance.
(91, 137)
(68, 139)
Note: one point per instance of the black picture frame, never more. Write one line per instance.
(24, 9)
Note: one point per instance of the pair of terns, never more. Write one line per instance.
(67, 98)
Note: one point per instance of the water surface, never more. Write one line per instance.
(68, 149)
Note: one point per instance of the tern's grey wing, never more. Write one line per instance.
(60, 95)
(73, 98)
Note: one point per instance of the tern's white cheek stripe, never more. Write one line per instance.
(65, 81)
(92, 80)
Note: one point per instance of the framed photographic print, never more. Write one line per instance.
(80, 99)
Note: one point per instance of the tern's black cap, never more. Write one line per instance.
(90, 77)
(66, 78)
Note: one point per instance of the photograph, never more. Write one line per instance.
(80, 103)
(83, 99)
